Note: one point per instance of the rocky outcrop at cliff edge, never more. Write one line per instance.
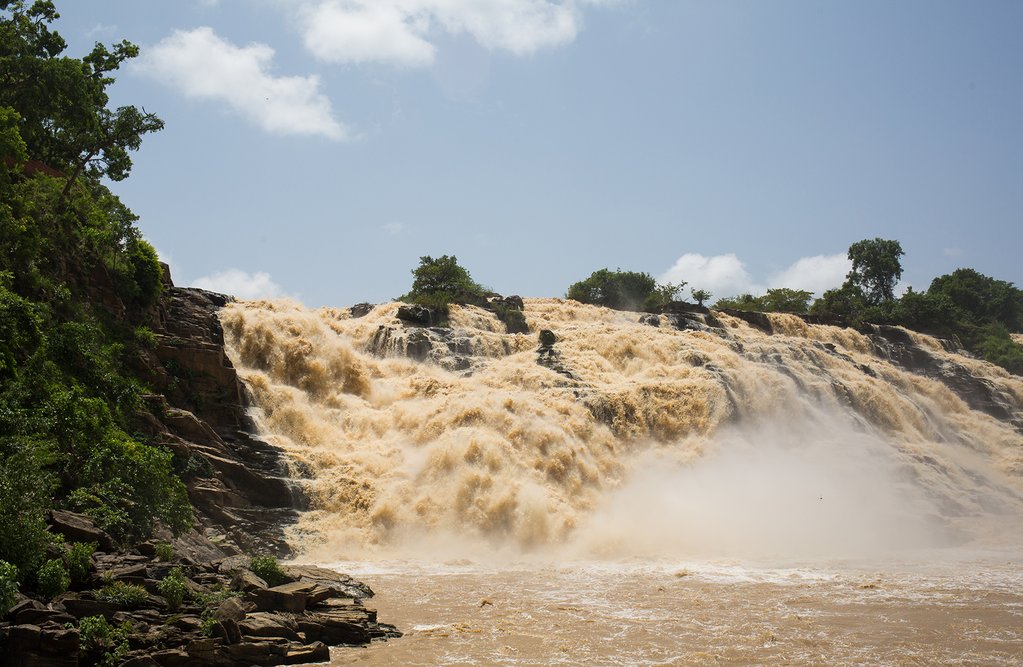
(239, 485)
(224, 614)
(243, 495)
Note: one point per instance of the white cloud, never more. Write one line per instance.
(721, 275)
(393, 228)
(726, 275)
(204, 66)
(399, 32)
(952, 252)
(815, 274)
(241, 284)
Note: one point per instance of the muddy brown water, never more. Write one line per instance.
(642, 613)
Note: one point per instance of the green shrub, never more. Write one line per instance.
(268, 569)
(173, 588)
(209, 624)
(53, 578)
(78, 558)
(212, 599)
(164, 551)
(621, 290)
(146, 272)
(26, 489)
(125, 595)
(145, 338)
(8, 585)
(101, 643)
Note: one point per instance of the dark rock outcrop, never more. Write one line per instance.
(226, 619)
(238, 484)
(420, 316)
(753, 318)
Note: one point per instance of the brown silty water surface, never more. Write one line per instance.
(824, 504)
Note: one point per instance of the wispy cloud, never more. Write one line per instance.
(393, 228)
(241, 284)
(100, 29)
(401, 32)
(202, 65)
(726, 275)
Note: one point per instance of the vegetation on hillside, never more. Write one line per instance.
(980, 311)
(625, 290)
(440, 282)
(76, 283)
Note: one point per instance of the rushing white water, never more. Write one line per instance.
(651, 440)
(648, 495)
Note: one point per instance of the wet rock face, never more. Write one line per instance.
(754, 319)
(239, 485)
(419, 315)
(896, 345)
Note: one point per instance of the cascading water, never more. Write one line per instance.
(637, 494)
(641, 439)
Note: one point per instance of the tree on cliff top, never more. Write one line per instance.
(441, 281)
(62, 101)
(875, 268)
(622, 290)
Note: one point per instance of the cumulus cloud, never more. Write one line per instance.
(241, 284)
(721, 275)
(399, 32)
(726, 275)
(202, 65)
(815, 274)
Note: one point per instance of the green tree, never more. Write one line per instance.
(622, 290)
(440, 281)
(875, 268)
(981, 299)
(845, 301)
(64, 119)
(786, 300)
(664, 293)
(701, 295)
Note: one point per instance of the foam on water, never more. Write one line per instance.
(801, 446)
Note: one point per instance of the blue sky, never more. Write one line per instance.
(317, 148)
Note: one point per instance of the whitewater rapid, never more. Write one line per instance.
(805, 443)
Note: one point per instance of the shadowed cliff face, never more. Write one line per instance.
(682, 433)
(238, 484)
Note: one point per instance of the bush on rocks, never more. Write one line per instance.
(268, 569)
(53, 578)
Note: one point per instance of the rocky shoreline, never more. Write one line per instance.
(244, 496)
(226, 615)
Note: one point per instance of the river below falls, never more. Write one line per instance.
(679, 613)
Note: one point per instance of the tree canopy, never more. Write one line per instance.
(62, 101)
(623, 290)
(875, 269)
(440, 281)
(780, 300)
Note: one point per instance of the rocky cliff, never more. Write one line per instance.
(238, 483)
(243, 498)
